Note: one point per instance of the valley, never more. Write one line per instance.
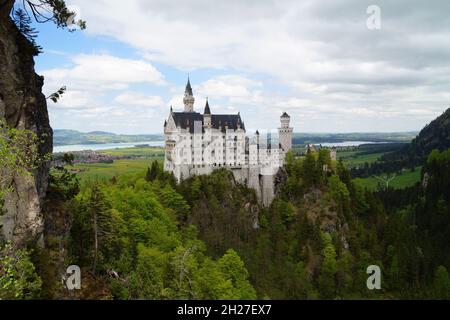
(136, 159)
(308, 157)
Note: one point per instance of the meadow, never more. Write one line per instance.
(355, 157)
(135, 152)
(403, 180)
(140, 159)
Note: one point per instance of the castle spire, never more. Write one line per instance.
(207, 115)
(188, 98)
(188, 91)
(207, 109)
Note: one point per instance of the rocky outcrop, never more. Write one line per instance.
(24, 107)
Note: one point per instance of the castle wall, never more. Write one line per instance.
(267, 189)
(262, 184)
(241, 175)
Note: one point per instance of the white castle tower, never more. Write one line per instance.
(188, 99)
(285, 132)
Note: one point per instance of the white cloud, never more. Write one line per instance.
(231, 86)
(101, 72)
(98, 94)
(320, 56)
(73, 99)
(138, 99)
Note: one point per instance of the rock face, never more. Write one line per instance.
(23, 107)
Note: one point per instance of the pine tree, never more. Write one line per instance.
(329, 268)
(23, 23)
(100, 212)
(310, 174)
(234, 270)
(442, 283)
(148, 175)
(152, 172)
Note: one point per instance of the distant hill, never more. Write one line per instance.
(101, 133)
(71, 137)
(315, 138)
(435, 135)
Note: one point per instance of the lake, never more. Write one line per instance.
(346, 143)
(105, 146)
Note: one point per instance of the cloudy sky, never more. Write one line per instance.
(316, 60)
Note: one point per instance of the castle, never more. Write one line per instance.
(200, 143)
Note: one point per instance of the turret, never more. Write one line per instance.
(207, 115)
(285, 132)
(188, 99)
(285, 119)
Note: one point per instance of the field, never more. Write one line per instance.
(105, 171)
(405, 179)
(359, 156)
(135, 152)
(354, 158)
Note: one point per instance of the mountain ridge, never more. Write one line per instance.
(435, 135)
(72, 137)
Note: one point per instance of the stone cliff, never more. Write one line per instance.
(23, 106)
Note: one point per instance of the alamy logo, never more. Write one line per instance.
(73, 277)
(374, 20)
(374, 280)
